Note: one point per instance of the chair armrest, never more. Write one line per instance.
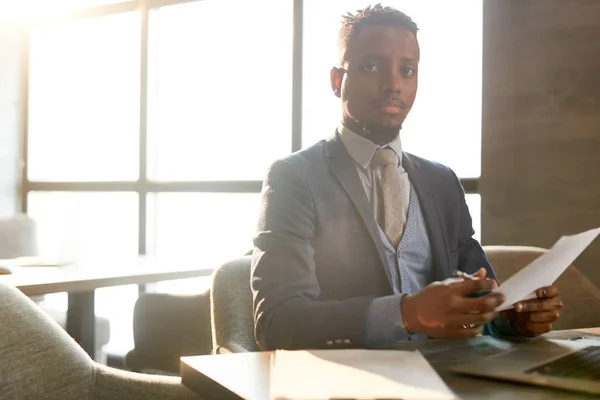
(112, 384)
(229, 348)
(231, 306)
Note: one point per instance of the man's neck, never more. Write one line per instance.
(379, 135)
(361, 149)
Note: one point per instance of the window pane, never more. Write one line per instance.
(445, 122)
(214, 227)
(220, 82)
(82, 224)
(210, 227)
(474, 204)
(84, 100)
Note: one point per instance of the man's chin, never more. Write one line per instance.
(381, 133)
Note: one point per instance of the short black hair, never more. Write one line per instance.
(369, 16)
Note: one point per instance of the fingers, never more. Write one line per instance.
(481, 273)
(535, 323)
(537, 305)
(471, 285)
(547, 292)
(538, 328)
(487, 303)
(544, 316)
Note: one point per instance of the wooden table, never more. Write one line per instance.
(81, 279)
(246, 376)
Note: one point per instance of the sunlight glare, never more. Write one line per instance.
(23, 11)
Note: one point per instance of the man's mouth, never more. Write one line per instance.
(391, 107)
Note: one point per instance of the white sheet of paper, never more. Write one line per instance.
(546, 269)
(29, 262)
(354, 374)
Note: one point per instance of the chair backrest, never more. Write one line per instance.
(231, 308)
(39, 359)
(167, 327)
(580, 297)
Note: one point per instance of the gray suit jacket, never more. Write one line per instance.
(318, 259)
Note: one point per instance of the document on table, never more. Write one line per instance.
(354, 374)
(29, 262)
(546, 269)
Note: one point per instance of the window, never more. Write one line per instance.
(211, 228)
(84, 85)
(151, 126)
(220, 108)
(215, 227)
(72, 225)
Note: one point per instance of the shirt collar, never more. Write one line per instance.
(362, 149)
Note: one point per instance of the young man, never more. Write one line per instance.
(357, 240)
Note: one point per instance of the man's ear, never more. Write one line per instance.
(336, 76)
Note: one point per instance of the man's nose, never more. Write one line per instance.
(392, 83)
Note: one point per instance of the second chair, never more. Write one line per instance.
(231, 308)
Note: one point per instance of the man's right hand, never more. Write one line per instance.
(444, 310)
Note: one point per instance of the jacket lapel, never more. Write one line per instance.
(342, 167)
(437, 238)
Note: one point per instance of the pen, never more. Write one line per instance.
(465, 276)
(462, 274)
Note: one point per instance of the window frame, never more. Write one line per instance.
(143, 186)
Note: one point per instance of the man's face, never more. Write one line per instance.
(378, 81)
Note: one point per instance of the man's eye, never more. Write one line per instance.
(370, 67)
(408, 71)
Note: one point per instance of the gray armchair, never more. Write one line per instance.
(231, 308)
(41, 361)
(167, 327)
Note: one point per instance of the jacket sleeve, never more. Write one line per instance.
(287, 311)
(472, 257)
(471, 254)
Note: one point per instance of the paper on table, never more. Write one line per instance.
(546, 269)
(29, 262)
(354, 374)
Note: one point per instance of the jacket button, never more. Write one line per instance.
(346, 341)
(329, 343)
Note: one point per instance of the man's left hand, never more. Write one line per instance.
(535, 317)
